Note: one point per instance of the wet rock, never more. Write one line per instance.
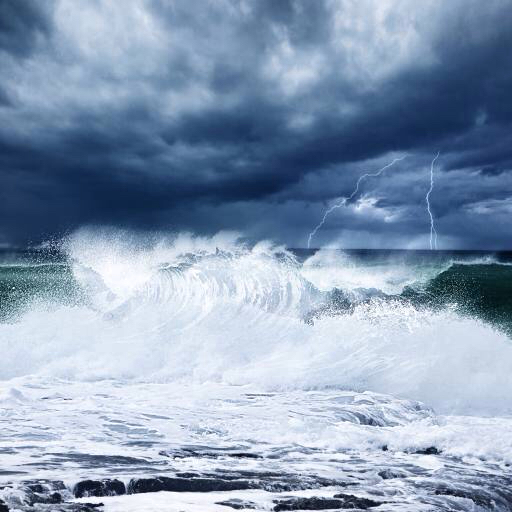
(37, 487)
(355, 502)
(86, 507)
(388, 474)
(431, 450)
(51, 498)
(73, 507)
(88, 488)
(3, 507)
(308, 504)
(478, 497)
(277, 481)
(45, 492)
(44, 486)
(212, 454)
(162, 483)
(338, 501)
(188, 474)
(237, 504)
(54, 497)
(245, 455)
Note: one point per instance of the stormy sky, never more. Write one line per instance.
(257, 116)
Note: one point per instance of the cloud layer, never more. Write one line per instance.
(256, 116)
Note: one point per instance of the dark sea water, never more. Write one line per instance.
(256, 373)
(474, 283)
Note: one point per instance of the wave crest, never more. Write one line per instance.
(198, 309)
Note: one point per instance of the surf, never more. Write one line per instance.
(194, 309)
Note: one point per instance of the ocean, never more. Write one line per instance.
(228, 374)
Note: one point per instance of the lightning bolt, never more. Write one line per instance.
(345, 200)
(433, 232)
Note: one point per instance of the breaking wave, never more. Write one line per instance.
(114, 306)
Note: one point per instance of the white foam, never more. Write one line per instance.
(328, 269)
(200, 310)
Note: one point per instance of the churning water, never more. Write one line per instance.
(382, 373)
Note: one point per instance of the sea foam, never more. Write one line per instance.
(199, 310)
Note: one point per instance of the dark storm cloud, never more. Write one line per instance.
(492, 171)
(21, 23)
(4, 99)
(254, 116)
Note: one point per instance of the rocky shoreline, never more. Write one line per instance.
(236, 450)
(55, 496)
(333, 494)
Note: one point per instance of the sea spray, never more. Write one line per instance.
(214, 309)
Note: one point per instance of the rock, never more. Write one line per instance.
(272, 481)
(89, 507)
(338, 501)
(45, 486)
(225, 480)
(244, 455)
(237, 504)
(162, 483)
(75, 507)
(214, 454)
(431, 450)
(45, 492)
(88, 488)
(53, 498)
(40, 488)
(188, 474)
(55, 507)
(355, 502)
(478, 497)
(388, 474)
(308, 504)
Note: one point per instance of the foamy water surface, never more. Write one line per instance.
(209, 357)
